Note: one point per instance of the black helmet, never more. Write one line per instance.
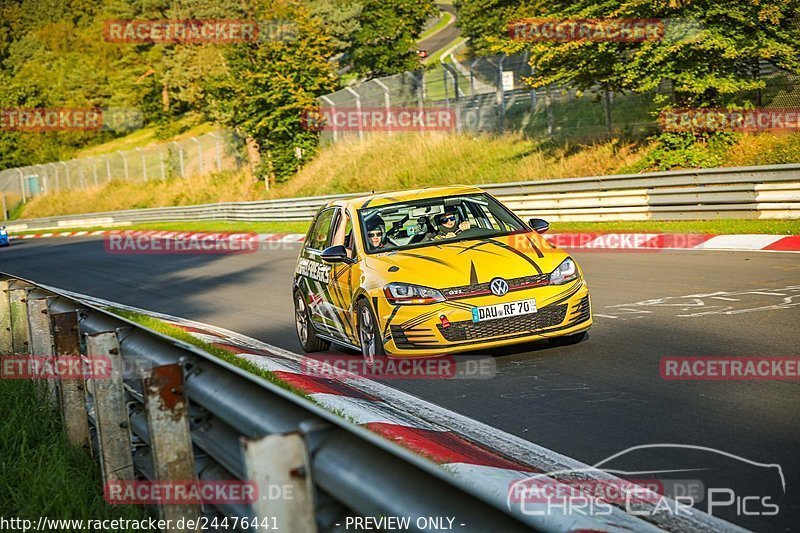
(374, 222)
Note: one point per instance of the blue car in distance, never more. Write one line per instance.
(4, 237)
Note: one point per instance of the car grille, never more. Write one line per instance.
(515, 284)
(468, 330)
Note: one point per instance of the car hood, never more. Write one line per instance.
(468, 262)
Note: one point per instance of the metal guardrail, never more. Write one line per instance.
(742, 192)
(184, 414)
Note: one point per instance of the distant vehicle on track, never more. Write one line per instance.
(4, 240)
(432, 272)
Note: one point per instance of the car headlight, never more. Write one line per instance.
(405, 293)
(566, 272)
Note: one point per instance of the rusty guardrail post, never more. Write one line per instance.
(18, 313)
(282, 461)
(66, 340)
(170, 437)
(6, 344)
(110, 409)
(41, 346)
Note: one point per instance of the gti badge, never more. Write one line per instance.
(498, 286)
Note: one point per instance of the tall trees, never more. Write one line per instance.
(385, 42)
(270, 85)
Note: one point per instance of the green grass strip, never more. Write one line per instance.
(228, 356)
(41, 473)
(720, 227)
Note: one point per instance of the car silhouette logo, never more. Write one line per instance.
(499, 286)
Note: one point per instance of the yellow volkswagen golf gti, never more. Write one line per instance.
(432, 272)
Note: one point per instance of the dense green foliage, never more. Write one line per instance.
(709, 56)
(54, 54)
(485, 21)
(386, 39)
(268, 88)
(710, 48)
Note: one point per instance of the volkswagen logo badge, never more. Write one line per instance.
(499, 286)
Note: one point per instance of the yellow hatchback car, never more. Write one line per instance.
(432, 272)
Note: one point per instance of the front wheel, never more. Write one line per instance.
(305, 328)
(369, 334)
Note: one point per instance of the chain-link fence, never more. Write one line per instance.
(490, 94)
(212, 152)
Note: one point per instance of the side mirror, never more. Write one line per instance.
(539, 225)
(336, 254)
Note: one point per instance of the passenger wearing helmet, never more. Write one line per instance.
(376, 229)
(449, 224)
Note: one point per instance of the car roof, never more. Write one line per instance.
(386, 198)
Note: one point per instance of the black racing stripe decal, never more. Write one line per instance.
(566, 295)
(476, 245)
(459, 305)
(538, 251)
(344, 317)
(389, 321)
(408, 324)
(517, 252)
(345, 268)
(473, 274)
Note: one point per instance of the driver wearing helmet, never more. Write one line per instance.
(376, 229)
(449, 224)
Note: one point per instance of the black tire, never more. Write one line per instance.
(304, 328)
(568, 340)
(368, 327)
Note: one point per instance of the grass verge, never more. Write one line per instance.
(402, 161)
(41, 473)
(226, 355)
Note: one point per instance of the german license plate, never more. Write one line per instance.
(493, 312)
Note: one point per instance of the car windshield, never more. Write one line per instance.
(434, 221)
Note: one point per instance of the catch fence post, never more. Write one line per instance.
(41, 346)
(6, 344)
(167, 413)
(66, 342)
(110, 408)
(18, 303)
(282, 461)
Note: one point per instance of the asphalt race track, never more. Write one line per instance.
(444, 36)
(588, 401)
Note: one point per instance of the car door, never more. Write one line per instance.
(315, 273)
(343, 276)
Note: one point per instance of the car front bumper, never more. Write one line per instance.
(421, 330)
